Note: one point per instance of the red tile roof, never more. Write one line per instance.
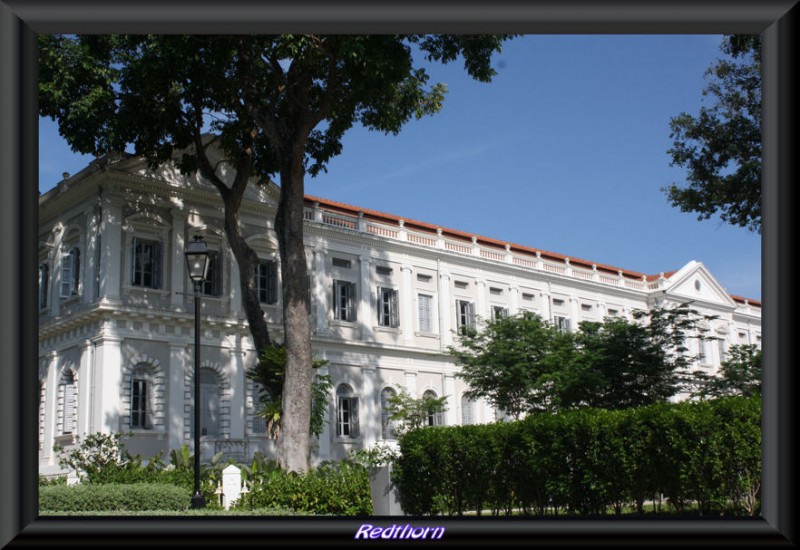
(375, 215)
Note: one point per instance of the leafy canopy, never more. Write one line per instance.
(739, 374)
(523, 364)
(721, 146)
(158, 93)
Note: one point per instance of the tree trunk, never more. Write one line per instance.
(246, 258)
(294, 440)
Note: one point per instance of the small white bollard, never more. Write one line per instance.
(72, 478)
(231, 485)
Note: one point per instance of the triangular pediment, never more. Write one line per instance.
(264, 193)
(694, 282)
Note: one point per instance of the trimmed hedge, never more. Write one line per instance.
(113, 497)
(701, 456)
(340, 489)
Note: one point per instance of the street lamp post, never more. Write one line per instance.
(197, 262)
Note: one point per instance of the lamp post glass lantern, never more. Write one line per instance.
(197, 263)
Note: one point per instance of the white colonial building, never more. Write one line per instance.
(116, 320)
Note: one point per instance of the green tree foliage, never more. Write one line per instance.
(276, 105)
(409, 413)
(269, 371)
(740, 374)
(721, 146)
(514, 362)
(522, 364)
(626, 364)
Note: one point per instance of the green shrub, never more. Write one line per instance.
(340, 489)
(704, 457)
(45, 481)
(113, 497)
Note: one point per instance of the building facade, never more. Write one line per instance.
(116, 311)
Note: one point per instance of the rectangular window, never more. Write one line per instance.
(499, 312)
(613, 312)
(44, 283)
(558, 302)
(146, 263)
(527, 297)
(496, 291)
(461, 284)
(423, 278)
(70, 273)
(267, 282)
(347, 417)
(425, 306)
(340, 262)
(382, 270)
(387, 307)
(586, 307)
(70, 398)
(702, 344)
(212, 286)
(139, 404)
(344, 301)
(562, 323)
(723, 349)
(466, 315)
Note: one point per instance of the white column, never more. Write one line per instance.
(513, 307)
(178, 277)
(113, 252)
(324, 448)
(238, 384)
(55, 274)
(109, 381)
(51, 409)
(480, 302)
(236, 309)
(451, 415)
(320, 291)
(84, 387)
(175, 395)
(371, 417)
(411, 383)
(364, 306)
(444, 310)
(573, 308)
(90, 264)
(406, 304)
(546, 310)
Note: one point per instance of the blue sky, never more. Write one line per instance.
(565, 150)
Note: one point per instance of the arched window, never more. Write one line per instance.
(434, 418)
(387, 426)
(346, 412)
(467, 411)
(210, 403)
(67, 403)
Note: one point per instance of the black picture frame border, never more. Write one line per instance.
(21, 20)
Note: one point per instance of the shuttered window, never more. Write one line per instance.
(388, 315)
(425, 306)
(346, 412)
